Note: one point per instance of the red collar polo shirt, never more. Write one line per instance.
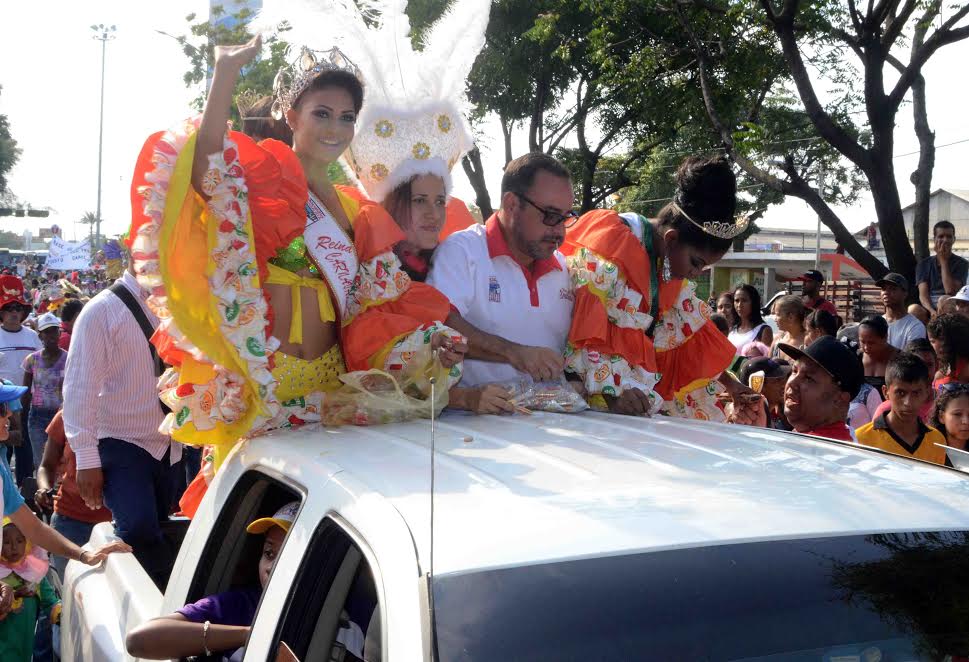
(475, 269)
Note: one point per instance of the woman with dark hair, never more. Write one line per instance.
(726, 308)
(750, 325)
(819, 323)
(949, 337)
(876, 351)
(641, 341)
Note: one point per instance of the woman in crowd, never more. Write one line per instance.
(641, 341)
(949, 336)
(819, 323)
(952, 415)
(875, 349)
(725, 307)
(750, 325)
(44, 376)
(789, 311)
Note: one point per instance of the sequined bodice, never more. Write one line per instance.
(294, 258)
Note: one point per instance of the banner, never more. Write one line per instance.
(68, 255)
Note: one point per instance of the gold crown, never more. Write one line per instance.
(721, 229)
(293, 79)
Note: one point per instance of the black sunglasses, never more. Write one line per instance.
(550, 217)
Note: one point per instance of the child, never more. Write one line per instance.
(44, 376)
(952, 415)
(922, 348)
(908, 387)
(24, 569)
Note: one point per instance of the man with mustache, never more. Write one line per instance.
(508, 280)
(826, 378)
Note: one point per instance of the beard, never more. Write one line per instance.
(538, 249)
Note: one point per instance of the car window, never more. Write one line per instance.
(892, 596)
(231, 556)
(332, 611)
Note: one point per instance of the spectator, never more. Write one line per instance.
(902, 326)
(789, 311)
(826, 377)
(875, 350)
(959, 302)
(23, 567)
(16, 343)
(44, 376)
(58, 471)
(769, 378)
(949, 336)
(726, 308)
(750, 325)
(942, 273)
(112, 416)
(951, 416)
(864, 407)
(819, 323)
(943, 307)
(507, 277)
(69, 313)
(920, 313)
(811, 282)
(921, 348)
(900, 431)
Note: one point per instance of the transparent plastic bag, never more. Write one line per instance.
(555, 396)
(374, 397)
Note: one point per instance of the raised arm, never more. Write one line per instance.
(229, 60)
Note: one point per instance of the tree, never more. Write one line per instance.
(11, 240)
(857, 127)
(89, 219)
(9, 153)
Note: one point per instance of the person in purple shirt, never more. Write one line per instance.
(217, 623)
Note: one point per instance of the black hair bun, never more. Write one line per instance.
(706, 188)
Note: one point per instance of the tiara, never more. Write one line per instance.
(292, 80)
(721, 229)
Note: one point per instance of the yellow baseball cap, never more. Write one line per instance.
(283, 518)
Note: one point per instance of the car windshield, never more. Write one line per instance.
(872, 598)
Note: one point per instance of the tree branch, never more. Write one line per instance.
(943, 36)
(897, 23)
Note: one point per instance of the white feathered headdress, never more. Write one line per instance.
(413, 116)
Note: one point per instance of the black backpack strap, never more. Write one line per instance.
(134, 307)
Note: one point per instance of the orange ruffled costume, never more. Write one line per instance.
(617, 294)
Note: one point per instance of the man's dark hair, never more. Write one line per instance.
(919, 345)
(721, 323)
(520, 173)
(908, 368)
(71, 310)
(945, 225)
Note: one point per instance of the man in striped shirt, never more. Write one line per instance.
(111, 417)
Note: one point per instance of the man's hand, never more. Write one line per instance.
(542, 363)
(90, 483)
(449, 350)
(490, 399)
(43, 500)
(98, 555)
(632, 402)
(749, 410)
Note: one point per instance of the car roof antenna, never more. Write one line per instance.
(430, 576)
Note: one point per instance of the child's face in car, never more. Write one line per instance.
(270, 550)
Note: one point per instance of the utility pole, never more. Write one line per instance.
(103, 34)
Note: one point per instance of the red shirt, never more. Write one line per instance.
(68, 501)
(837, 431)
(822, 304)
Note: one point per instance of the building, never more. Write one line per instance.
(945, 204)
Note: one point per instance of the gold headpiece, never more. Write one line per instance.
(721, 229)
(292, 80)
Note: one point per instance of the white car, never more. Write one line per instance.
(565, 537)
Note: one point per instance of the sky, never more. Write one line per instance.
(51, 99)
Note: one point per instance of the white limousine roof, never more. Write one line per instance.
(516, 490)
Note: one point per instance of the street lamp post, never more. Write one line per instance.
(102, 33)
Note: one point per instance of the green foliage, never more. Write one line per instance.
(9, 152)
(11, 240)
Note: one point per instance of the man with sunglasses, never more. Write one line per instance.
(16, 343)
(507, 278)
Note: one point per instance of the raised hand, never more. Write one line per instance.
(236, 57)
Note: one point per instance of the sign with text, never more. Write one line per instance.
(64, 255)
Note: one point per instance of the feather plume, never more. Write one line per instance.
(453, 43)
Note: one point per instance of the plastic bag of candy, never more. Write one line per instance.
(556, 396)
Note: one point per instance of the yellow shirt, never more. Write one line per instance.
(878, 434)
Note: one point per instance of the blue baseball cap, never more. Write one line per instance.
(10, 392)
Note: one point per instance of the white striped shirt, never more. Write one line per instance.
(110, 388)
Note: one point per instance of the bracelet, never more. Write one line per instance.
(205, 636)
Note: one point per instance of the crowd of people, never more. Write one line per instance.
(260, 295)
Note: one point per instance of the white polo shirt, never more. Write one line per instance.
(475, 270)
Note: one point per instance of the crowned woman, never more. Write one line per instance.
(641, 341)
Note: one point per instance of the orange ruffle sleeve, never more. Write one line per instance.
(144, 165)
(704, 355)
(277, 194)
(377, 325)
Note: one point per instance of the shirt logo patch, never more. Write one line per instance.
(494, 290)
